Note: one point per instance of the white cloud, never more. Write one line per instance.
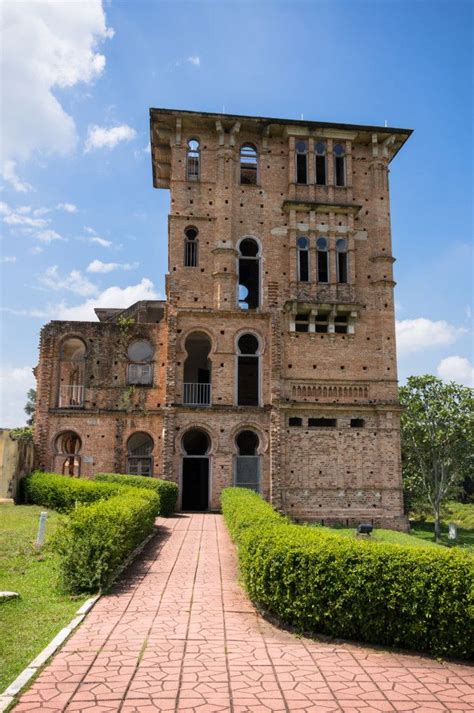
(194, 60)
(100, 241)
(111, 297)
(46, 45)
(67, 207)
(10, 175)
(89, 230)
(8, 258)
(456, 368)
(105, 267)
(48, 236)
(98, 137)
(18, 219)
(14, 385)
(74, 282)
(414, 335)
(40, 313)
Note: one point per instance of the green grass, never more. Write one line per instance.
(28, 624)
(380, 535)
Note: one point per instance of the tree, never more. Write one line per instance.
(437, 439)
(30, 407)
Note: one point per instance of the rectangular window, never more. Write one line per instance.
(320, 170)
(322, 323)
(322, 422)
(357, 423)
(295, 421)
(342, 268)
(301, 168)
(247, 472)
(140, 374)
(193, 168)
(190, 253)
(323, 266)
(340, 324)
(247, 379)
(302, 323)
(303, 265)
(339, 170)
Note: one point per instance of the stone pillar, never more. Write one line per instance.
(225, 275)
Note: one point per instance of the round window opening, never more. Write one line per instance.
(140, 351)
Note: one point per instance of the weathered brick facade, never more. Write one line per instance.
(323, 375)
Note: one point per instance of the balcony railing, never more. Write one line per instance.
(197, 394)
(71, 396)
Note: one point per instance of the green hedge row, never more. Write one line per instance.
(167, 491)
(96, 538)
(417, 598)
(105, 522)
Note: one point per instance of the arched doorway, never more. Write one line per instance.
(195, 471)
(67, 460)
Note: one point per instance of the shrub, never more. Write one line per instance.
(61, 492)
(96, 538)
(418, 598)
(167, 490)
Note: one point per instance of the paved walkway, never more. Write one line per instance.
(178, 634)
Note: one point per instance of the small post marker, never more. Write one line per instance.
(41, 529)
(452, 532)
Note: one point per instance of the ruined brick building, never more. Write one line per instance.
(272, 362)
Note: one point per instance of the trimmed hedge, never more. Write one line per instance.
(167, 490)
(62, 492)
(96, 538)
(417, 598)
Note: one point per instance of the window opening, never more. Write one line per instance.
(249, 274)
(72, 373)
(140, 460)
(196, 442)
(323, 260)
(197, 370)
(339, 165)
(341, 249)
(320, 151)
(248, 371)
(68, 446)
(357, 422)
(303, 259)
(321, 323)
(322, 422)
(248, 165)
(341, 323)
(301, 162)
(140, 370)
(190, 247)
(247, 462)
(193, 160)
(302, 323)
(295, 421)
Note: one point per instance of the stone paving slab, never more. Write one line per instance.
(179, 634)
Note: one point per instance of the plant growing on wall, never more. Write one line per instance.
(437, 439)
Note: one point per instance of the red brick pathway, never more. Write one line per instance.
(178, 634)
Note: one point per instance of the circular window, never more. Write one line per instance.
(248, 344)
(193, 144)
(247, 443)
(140, 351)
(301, 147)
(322, 244)
(249, 248)
(196, 442)
(191, 233)
(320, 149)
(341, 246)
(339, 150)
(303, 243)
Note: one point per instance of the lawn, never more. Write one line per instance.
(380, 535)
(28, 624)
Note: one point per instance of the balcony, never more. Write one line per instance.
(197, 394)
(71, 396)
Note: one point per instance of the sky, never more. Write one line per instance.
(82, 226)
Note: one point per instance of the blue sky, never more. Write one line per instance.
(81, 223)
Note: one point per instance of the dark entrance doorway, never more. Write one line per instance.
(195, 474)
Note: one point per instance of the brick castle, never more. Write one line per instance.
(272, 362)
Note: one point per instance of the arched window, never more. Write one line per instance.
(140, 449)
(67, 447)
(341, 250)
(248, 371)
(140, 368)
(196, 442)
(249, 274)
(71, 373)
(301, 148)
(303, 259)
(323, 259)
(247, 461)
(320, 156)
(339, 165)
(248, 165)
(191, 247)
(193, 160)
(197, 370)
